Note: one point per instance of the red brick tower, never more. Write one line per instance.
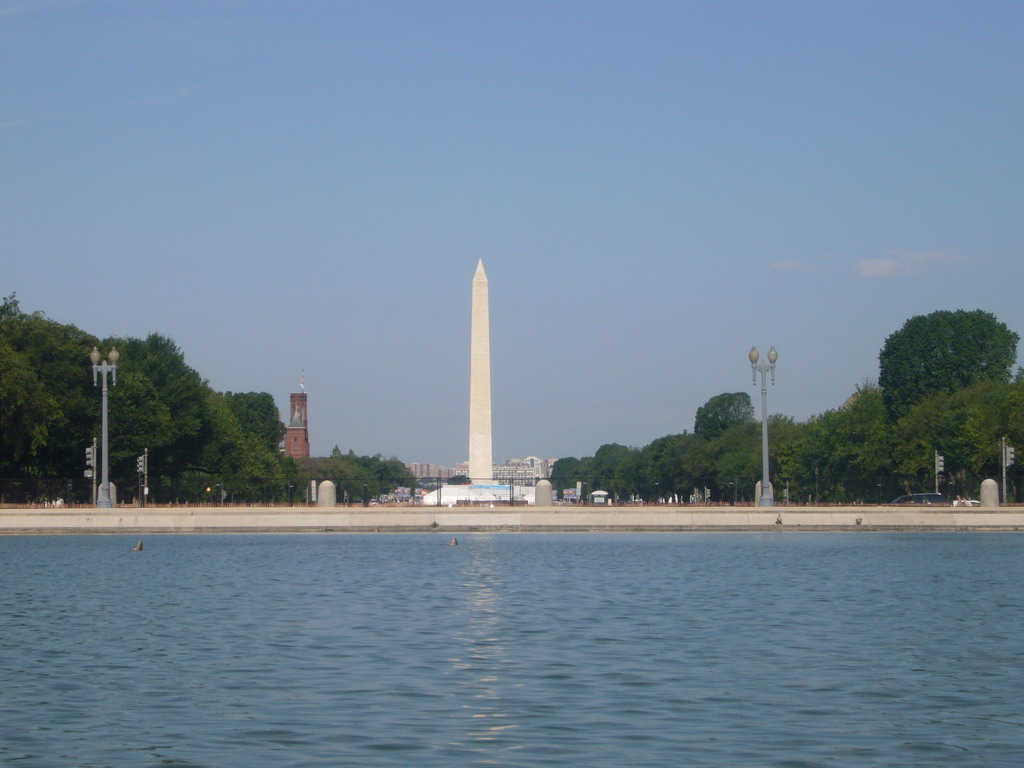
(296, 437)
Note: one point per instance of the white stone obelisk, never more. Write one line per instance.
(481, 467)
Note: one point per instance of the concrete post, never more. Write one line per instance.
(989, 493)
(543, 494)
(327, 494)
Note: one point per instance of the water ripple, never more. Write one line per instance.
(513, 650)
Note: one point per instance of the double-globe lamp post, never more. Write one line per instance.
(103, 369)
(767, 497)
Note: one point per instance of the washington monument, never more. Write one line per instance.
(481, 467)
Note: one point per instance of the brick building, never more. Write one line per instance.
(296, 436)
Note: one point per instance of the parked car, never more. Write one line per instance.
(921, 498)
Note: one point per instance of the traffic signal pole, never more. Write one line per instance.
(90, 469)
(1007, 458)
(142, 465)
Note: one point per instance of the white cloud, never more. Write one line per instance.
(902, 263)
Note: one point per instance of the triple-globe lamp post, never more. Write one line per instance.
(764, 367)
(102, 369)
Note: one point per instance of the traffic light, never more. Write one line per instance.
(1009, 458)
(140, 464)
(90, 457)
(940, 463)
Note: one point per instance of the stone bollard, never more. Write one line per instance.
(327, 494)
(544, 494)
(989, 493)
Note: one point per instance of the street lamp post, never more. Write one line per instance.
(103, 369)
(767, 497)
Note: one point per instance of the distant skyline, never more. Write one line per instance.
(305, 188)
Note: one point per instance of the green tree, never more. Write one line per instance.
(197, 438)
(140, 422)
(943, 352)
(784, 435)
(965, 427)
(27, 411)
(341, 469)
(258, 416)
(730, 464)
(179, 389)
(844, 454)
(565, 474)
(664, 467)
(722, 412)
(926, 427)
(352, 473)
(611, 470)
(51, 385)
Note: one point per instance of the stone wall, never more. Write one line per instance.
(311, 519)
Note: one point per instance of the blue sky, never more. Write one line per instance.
(304, 188)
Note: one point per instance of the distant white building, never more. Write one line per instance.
(478, 495)
(521, 471)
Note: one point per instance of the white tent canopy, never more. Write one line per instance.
(483, 495)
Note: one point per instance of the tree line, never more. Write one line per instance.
(203, 445)
(945, 386)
